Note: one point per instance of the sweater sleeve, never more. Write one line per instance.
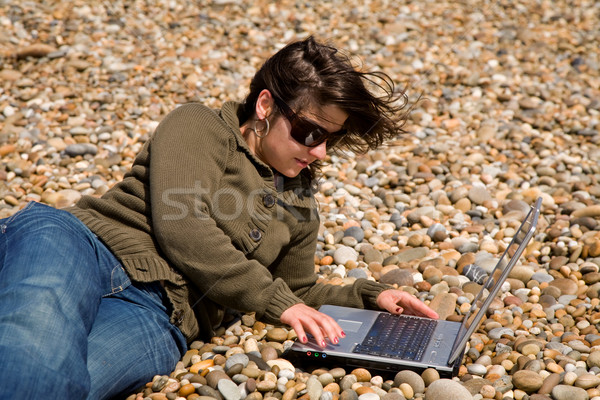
(189, 155)
(296, 267)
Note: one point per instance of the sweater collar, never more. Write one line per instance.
(297, 190)
(229, 113)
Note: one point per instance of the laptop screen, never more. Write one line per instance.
(495, 280)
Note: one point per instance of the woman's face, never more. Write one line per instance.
(282, 152)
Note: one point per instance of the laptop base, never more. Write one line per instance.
(387, 371)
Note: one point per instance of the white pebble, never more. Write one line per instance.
(9, 111)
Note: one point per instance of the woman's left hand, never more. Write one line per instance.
(399, 302)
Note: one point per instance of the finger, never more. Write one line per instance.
(420, 308)
(315, 330)
(300, 333)
(328, 327)
(331, 329)
(390, 303)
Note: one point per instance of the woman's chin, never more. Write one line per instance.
(291, 174)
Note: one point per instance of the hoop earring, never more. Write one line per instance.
(265, 130)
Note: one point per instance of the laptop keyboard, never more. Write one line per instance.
(392, 336)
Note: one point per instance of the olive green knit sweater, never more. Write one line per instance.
(199, 212)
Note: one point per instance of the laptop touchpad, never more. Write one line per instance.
(349, 326)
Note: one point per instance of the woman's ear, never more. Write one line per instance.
(264, 104)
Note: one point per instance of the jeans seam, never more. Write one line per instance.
(15, 215)
(7, 221)
(65, 225)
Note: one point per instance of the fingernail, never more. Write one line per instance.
(323, 343)
(335, 340)
(343, 334)
(303, 339)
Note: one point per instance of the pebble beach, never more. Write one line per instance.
(505, 103)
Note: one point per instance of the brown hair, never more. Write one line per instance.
(309, 72)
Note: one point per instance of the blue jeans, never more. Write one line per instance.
(72, 324)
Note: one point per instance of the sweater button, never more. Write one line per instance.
(255, 235)
(268, 200)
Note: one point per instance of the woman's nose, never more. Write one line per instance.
(319, 152)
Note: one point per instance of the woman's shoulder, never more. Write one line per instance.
(194, 121)
(193, 112)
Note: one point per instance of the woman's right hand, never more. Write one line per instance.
(304, 318)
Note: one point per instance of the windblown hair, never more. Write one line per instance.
(308, 72)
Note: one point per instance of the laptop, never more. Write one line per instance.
(381, 341)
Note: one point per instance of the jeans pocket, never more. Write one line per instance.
(119, 280)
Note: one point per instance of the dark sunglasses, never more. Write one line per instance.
(305, 131)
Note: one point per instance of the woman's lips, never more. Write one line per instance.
(303, 164)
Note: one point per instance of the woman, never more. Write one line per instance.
(217, 212)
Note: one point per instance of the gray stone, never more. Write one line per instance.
(369, 396)
(477, 369)
(566, 392)
(542, 277)
(415, 216)
(221, 349)
(475, 273)
(205, 390)
(447, 389)
(437, 227)
(412, 378)
(467, 247)
(325, 378)
(496, 333)
(314, 388)
(80, 149)
(393, 396)
(260, 363)
(390, 260)
(238, 358)
(358, 273)
(337, 373)
(587, 381)
(356, 232)
(347, 381)
(515, 205)
(213, 378)
(523, 274)
(373, 255)
(565, 299)
(229, 390)
(326, 396)
(401, 277)
(479, 194)
(593, 359)
(474, 385)
(343, 254)
(412, 254)
(348, 394)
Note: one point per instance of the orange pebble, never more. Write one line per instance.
(327, 260)
(350, 223)
(201, 366)
(186, 390)
(363, 390)
(332, 387)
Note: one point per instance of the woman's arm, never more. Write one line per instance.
(296, 267)
(188, 162)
